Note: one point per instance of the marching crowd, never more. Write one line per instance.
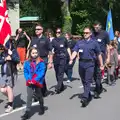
(95, 52)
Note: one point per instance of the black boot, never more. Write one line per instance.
(26, 115)
(86, 101)
(98, 91)
(112, 80)
(42, 110)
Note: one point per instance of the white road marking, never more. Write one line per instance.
(18, 109)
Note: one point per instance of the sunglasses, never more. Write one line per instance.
(58, 32)
(86, 32)
(38, 29)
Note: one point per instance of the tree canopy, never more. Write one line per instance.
(71, 15)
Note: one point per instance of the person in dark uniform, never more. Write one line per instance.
(61, 52)
(69, 68)
(103, 40)
(88, 49)
(44, 47)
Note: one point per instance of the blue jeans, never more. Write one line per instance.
(69, 69)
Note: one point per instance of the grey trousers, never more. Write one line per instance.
(111, 72)
(30, 90)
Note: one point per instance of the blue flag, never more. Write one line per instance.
(109, 26)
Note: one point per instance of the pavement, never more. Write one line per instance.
(65, 106)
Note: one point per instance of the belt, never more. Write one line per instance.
(86, 60)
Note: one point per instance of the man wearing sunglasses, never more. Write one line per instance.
(103, 40)
(87, 49)
(44, 47)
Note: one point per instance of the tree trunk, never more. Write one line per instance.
(67, 19)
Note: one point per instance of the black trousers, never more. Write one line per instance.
(97, 78)
(44, 89)
(59, 66)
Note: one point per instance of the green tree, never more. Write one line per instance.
(71, 15)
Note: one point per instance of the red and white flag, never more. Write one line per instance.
(5, 28)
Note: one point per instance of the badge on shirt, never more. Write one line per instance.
(80, 50)
(99, 40)
(61, 45)
(35, 45)
(119, 40)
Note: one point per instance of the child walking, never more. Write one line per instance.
(34, 70)
(113, 63)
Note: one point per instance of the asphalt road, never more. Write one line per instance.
(65, 106)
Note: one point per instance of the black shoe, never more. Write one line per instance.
(6, 105)
(84, 103)
(45, 94)
(42, 110)
(25, 116)
(58, 91)
(96, 95)
(62, 88)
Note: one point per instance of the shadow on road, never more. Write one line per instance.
(18, 102)
(36, 109)
(75, 95)
(1, 101)
(54, 86)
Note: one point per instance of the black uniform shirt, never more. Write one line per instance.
(60, 45)
(71, 44)
(103, 39)
(42, 44)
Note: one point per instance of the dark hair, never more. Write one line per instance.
(49, 31)
(97, 23)
(69, 34)
(38, 24)
(16, 32)
(113, 43)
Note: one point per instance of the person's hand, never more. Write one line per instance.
(116, 67)
(107, 61)
(9, 52)
(8, 58)
(29, 82)
(50, 65)
(70, 62)
(24, 33)
(102, 67)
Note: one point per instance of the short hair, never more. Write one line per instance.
(88, 28)
(38, 24)
(97, 23)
